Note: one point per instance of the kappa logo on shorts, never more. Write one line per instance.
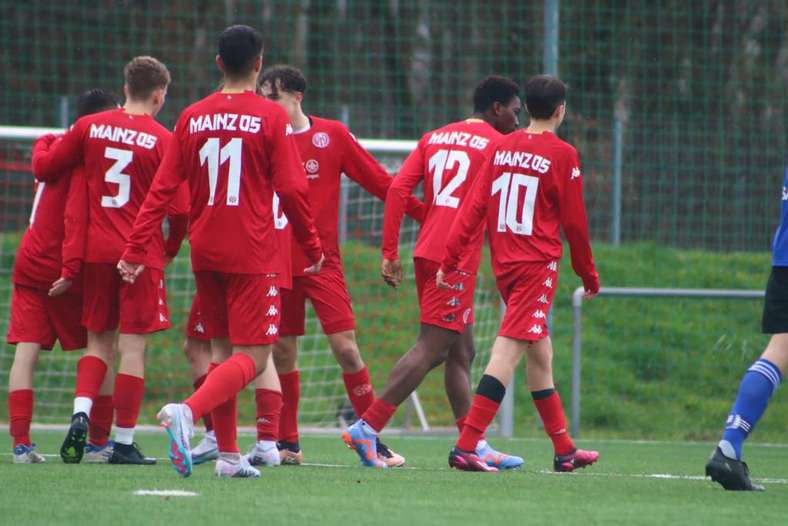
(454, 302)
(553, 265)
(273, 330)
(199, 328)
(543, 299)
(466, 315)
(548, 283)
(272, 292)
(449, 318)
(321, 140)
(539, 314)
(272, 311)
(458, 286)
(536, 329)
(162, 318)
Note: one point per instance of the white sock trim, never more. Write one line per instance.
(82, 404)
(124, 435)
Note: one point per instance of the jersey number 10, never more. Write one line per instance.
(509, 185)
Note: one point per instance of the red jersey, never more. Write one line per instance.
(120, 153)
(53, 244)
(529, 188)
(234, 149)
(447, 160)
(328, 150)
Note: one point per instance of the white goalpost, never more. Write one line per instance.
(380, 319)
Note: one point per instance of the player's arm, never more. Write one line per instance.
(75, 222)
(363, 168)
(574, 222)
(53, 157)
(289, 181)
(169, 177)
(399, 192)
(469, 219)
(178, 216)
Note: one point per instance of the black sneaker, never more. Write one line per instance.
(74, 444)
(732, 474)
(129, 454)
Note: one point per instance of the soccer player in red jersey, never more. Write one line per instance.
(120, 150)
(446, 160)
(530, 187)
(43, 308)
(328, 150)
(235, 149)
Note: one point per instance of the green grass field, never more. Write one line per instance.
(634, 483)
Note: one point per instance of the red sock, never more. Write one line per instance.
(477, 421)
(379, 414)
(20, 414)
(225, 419)
(269, 409)
(222, 383)
(206, 418)
(554, 420)
(127, 399)
(291, 393)
(359, 390)
(100, 420)
(460, 422)
(90, 375)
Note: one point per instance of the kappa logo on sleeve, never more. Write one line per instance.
(575, 173)
(288, 129)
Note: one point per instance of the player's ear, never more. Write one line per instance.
(219, 63)
(258, 64)
(299, 97)
(126, 91)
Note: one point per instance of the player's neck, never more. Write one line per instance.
(239, 85)
(541, 126)
(299, 119)
(133, 107)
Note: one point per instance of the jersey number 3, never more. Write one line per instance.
(115, 175)
(447, 160)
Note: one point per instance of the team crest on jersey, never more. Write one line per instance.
(321, 140)
(312, 167)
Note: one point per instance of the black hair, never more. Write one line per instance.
(543, 94)
(94, 101)
(239, 46)
(494, 89)
(289, 78)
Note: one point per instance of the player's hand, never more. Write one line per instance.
(391, 272)
(314, 269)
(440, 280)
(60, 286)
(591, 286)
(129, 271)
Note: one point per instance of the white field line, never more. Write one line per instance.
(166, 493)
(663, 476)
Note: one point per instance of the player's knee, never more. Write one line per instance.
(348, 357)
(285, 357)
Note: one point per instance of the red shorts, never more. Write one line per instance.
(447, 308)
(528, 293)
(38, 318)
(328, 292)
(195, 328)
(111, 303)
(243, 307)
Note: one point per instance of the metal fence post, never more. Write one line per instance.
(618, 137)
(551, 21)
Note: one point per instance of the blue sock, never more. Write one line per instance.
(757, 386)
